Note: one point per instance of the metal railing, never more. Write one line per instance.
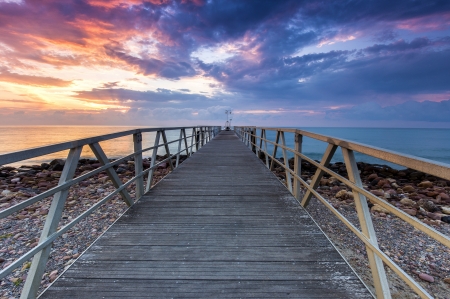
(367, 234)
(40, 253)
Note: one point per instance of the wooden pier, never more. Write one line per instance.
(221, 225)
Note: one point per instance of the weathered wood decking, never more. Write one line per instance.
(220, 226)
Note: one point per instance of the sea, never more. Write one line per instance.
(432, 144)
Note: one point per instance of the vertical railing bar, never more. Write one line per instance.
(138, 166)
(101, 157)
(166, 147)
(326, 158)
(153, 161)
(376, 264)
(286, 163)
(39, 262)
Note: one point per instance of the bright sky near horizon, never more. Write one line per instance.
(277, 63)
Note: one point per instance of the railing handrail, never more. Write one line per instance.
(367, 235)
(432, 167)
(12, 157)
(201, 134)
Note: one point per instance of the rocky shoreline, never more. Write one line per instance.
(20, 231)
(420, 195)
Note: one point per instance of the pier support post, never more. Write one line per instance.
(365, 220)
(40, 259)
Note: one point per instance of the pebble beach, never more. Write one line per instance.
(20, 231)
(421, 196)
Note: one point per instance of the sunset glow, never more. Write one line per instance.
(181, 62)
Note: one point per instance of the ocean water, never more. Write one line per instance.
(15, 138)
(433, 144)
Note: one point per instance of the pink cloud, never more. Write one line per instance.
(437, 22)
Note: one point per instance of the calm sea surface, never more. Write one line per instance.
(433, 144)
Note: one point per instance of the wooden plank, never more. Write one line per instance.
(201, 288)
(220, 225)
(214, 253)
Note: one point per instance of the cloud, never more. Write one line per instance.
(403, 46)
(15, 78)
(153, 66)
(381, 51)
(134, 98)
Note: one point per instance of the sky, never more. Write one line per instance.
(274, 63)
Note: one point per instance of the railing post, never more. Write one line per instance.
(253, 139)
(263, 134)
(365, 220)
(327, 156)
(197, 139)
(40, 259)
(193, 137)
(297, 164)
(153, 161)
(138, 167)
(202, 135)
(179, 148)
(286, 163)
(275, 147)
(260, 149)
(185, 142)
(166, 147)
(247, 137)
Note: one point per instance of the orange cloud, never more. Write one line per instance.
(6, 76)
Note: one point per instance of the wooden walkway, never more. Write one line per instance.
(220, 226)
